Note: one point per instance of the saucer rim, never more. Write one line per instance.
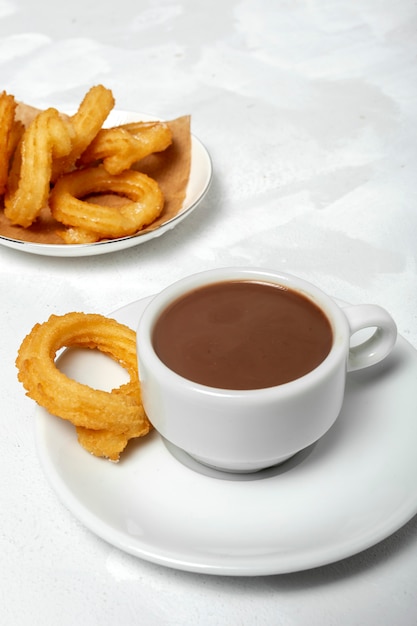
(233, 566)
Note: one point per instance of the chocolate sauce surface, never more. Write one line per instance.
(242, 335)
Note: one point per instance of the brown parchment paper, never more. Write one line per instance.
(171, 169)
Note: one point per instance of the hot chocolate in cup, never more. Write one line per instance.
(242, 368)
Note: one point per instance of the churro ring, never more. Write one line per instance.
(90, 221)
(105, 420)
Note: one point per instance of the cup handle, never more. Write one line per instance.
(379, 344)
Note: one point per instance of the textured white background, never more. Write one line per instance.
(309, 111)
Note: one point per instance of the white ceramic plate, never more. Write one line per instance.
(198, 185)
(344, 494)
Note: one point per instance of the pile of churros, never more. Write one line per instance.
(70, 177)
(67, 164)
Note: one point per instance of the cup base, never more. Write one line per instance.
(199, 466)
(237, 470)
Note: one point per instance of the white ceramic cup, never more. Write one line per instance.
(249, 430)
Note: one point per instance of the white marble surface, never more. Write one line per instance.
(309, 111)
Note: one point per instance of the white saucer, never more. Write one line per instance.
(198, 185)
(346, 493)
